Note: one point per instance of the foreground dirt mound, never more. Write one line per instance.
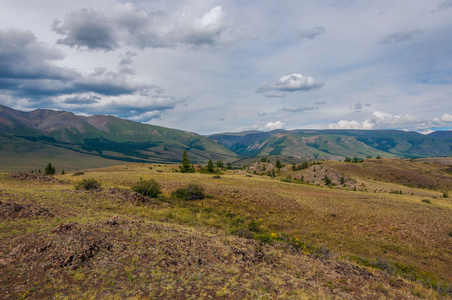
(131, 197)
(173, 262)
(71, 246)
(14, 210)
(34, 177)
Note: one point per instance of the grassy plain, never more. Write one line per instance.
(252, 237)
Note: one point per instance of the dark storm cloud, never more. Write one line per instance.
(126, 24)
(82, 100)
(23, 57)
(27, 72)
(86, 28)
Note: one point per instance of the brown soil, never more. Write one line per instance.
(120, 250)
(131, 197)
(14, 210)
(34, 177)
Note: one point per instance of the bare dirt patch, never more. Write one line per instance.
(15, 210)
(132, 197)
(34, 177)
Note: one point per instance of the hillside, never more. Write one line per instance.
(251, 236)
(335, 144)
(29, 140)
(106, 138)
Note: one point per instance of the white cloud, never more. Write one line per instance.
(289, 83)
(209, 29)
(383, 120)
(446, 118)
(344, 124)
(273, 126)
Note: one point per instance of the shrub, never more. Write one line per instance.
(190, 192)
(426, 201)
(149, 188)
(286, 180)
(88, 184)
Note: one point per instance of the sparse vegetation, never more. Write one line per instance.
(190, 192)
(149, 188)
(88, 184)
(253, 225)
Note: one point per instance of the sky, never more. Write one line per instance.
(209, 66)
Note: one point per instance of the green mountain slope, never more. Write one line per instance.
(335, 144)
(106, 137)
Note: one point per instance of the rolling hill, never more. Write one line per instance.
(29, 140)
(46, 135)
(336, 144)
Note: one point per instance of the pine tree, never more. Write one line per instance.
(185, 166)
(210, 166)
(278, 164)
(50, 170)
(220, 164)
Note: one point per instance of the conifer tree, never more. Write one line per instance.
(50, 170)
(210, 166)
(185, 166)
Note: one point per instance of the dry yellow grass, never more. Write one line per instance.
(406, 241)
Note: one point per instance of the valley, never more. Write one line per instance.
(251, 236)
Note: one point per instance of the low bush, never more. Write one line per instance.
(88, 184)
(149, 188)
(426, 201)
(190, 192)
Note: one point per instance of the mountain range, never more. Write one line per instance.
(29, 139)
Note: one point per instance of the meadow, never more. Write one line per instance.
(251, 237)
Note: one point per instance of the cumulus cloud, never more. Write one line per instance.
(384, 120)
(209, 29)
(401, 36)
(290, 83)
(344, 124)
(446, 118)
(273, 126)
(86, 28)
(29, 77)
(127, 24)
(23, 57)
(311, 33)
